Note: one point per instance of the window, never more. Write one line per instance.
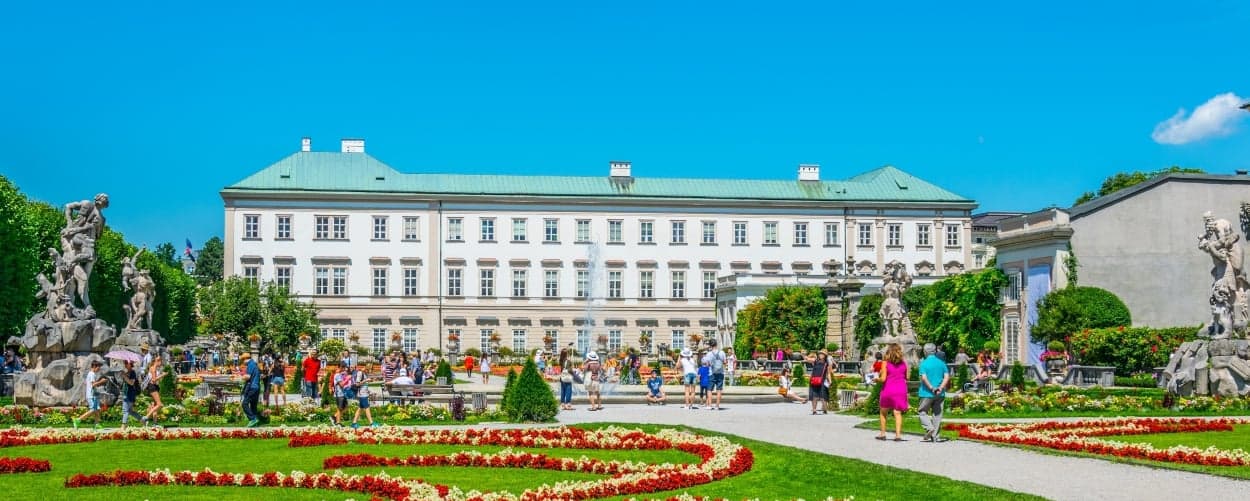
(679, 284)
(1011, 292)
(484, 340)
(518, 341)
(922, 235)
(865, 234)
(338, 228)
(455, 229)
(551, 230)
(679, 339)
(615, 230)
(952, 235)
(339, 334)
(251, 226)
(831, 234)
(410, 337)
(252, 273)
(614, 341)
(486, 282)
(518, 283)
(410, 281)
(412, 225)
(321, 281)
(709, 232)
(321, 227)
(800, 233)
(679, 232)
(980, 260)
(646, 232)
(646, 284)
(379, 340)
(583, 283)
(338, 286)
(583, 230)
(614, 284)
(380, 228)
(709, 284)
(770, 233)
(646, 334)
(282, 276)
(709, 334)
(894, 235)
(488, 229)
(453, 281)
(379, 281)
(283, 227)
(583, 340)
(518, 230)
(740, 233)
(551, 283)
(1011, 339)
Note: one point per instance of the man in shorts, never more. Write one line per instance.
(360, 382)
(90, 382)
(594, 371)
(716, 361)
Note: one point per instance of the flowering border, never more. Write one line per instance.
(24, 465)
(1081, 436)
(719, 458)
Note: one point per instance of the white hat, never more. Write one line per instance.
(403, 372)
(592, 357)
(685, 352)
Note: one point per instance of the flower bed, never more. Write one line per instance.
(23, 465)
(719, 458)
(1074, 400)
(1082, 436)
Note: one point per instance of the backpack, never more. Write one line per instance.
(718, 362)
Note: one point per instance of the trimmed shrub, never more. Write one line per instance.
(327, 396)
(531, 399)
(799, 378)
(167, 385)
(961, 375)
(991, 346)
(873, 404)
(1130, 350)
(473, 352)
(507, 389)
(1069, 310)
(444, 371)
(295, 383)
(1017, 375)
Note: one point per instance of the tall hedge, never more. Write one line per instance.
(1130, 350)
(531, 398)
(1073, 309)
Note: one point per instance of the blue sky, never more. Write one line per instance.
(1018, 105)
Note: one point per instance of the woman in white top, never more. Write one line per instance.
(783, 388)
(689, 376)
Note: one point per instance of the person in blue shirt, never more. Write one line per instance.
(654, 385)
(934, 378)
(251, 390)
(705, 382)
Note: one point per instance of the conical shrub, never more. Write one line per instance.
(507, 389)
(531, 399)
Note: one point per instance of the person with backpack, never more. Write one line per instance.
(716, 362)
(594, 377)
(342, 387)
(360, 386)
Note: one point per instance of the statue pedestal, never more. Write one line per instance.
(1209, 367)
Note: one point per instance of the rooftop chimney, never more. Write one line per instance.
(809, 172)
(619, 168)
(353, 145)
(305, 144)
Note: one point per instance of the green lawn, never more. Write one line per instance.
(779, 472)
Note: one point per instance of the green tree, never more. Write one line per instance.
(1122, 180)
(787, 316)
(167, 254)
(1065, 311)
(209, 265)
(444, 371)
(508, 387)
(868, 320)
(962, 310)
(19, 261)
(531, 398)
(286, 318)
(333, 349)
(232, 306)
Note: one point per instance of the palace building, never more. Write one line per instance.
(529, 261)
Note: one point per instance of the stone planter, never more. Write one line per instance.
(1056, 365)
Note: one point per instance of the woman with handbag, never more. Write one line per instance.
(817, 392)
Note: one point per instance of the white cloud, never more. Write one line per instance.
(1214, 118)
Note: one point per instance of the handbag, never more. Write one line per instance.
(781, 390)
(817, 380)
(565, 377)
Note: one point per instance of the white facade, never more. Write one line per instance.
(348, 253)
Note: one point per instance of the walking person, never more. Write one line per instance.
(893, 390)
(151, 387)
(92, 381)
(594, 377)
(566, 388)
(689, 376)
(705, 382)
(468, 367)
(817, 392)
(342, 384)
(934, 378)
(718, 364)
(360, 384)
(485, 368)
(277, 380)
(731, 365)
(251, 389)
(312, 366)
(130, 393)
(266, 365)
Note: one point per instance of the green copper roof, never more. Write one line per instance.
(361, 173)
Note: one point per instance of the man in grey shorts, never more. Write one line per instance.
(933, 380)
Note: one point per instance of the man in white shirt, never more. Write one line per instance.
(401, 379)
(689, 376)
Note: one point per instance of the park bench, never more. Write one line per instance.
(414, 393)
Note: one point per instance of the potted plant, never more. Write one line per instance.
(1055, 356)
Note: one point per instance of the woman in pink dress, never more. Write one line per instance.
(894, 390)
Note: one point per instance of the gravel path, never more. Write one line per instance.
(1050, 476)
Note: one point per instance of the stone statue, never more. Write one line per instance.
(894, 318)
(1229, 300)
(140, 307)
